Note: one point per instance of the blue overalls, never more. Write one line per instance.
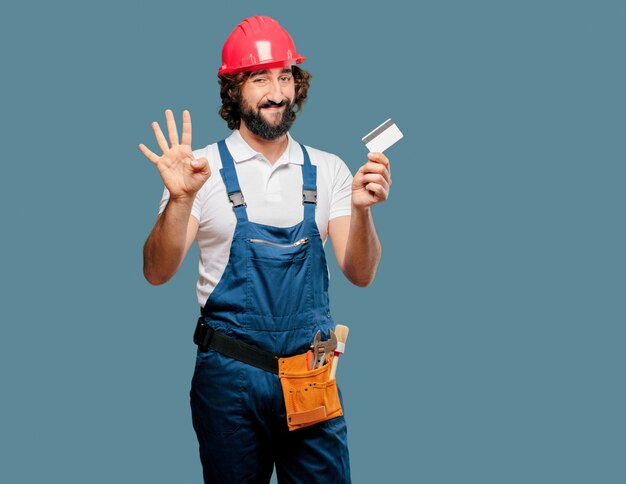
(273, 294)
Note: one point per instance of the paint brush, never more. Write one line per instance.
(341, 332)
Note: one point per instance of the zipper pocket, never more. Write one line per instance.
(282, 246)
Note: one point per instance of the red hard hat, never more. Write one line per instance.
(258, 43)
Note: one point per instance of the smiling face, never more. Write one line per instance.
(267, 99)
(231, 87)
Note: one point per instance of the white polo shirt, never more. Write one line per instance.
(273, 195)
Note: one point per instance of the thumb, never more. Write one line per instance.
(201, 164)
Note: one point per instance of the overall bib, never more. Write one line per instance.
(274, 295)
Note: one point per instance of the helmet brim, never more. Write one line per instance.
(261, 66)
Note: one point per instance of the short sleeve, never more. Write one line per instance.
(341, 197)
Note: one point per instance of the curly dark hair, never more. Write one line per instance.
(230, 92)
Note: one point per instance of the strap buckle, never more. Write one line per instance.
(309, 196)
(236, 198)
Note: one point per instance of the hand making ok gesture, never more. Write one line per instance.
(182, 174)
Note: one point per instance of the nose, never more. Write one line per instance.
(275, 92)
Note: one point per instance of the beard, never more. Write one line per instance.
(262, 128)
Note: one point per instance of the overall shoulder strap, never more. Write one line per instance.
(309, 186)
(229, 175)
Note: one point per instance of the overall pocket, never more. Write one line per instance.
(278, 282)
(217, 394)
(310, 397)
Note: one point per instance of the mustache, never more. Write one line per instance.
(272, 104)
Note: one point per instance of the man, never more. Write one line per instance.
(259, 206)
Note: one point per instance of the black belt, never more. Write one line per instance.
(206, 337)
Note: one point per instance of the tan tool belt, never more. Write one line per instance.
(310, 397)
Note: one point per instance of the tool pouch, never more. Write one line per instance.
(310, 397)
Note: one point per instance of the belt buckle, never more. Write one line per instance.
(203, 334)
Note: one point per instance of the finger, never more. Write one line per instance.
(148, 154)
(377, 190)
(159, 137)
(376, 179)
(379, 158)
(373, 167)
(171, 127)
(186, 128)
(200, 164)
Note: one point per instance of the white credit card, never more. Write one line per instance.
(382, 137)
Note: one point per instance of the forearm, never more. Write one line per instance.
(363, 248)
(167, 244)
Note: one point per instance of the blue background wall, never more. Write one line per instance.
(490, 349)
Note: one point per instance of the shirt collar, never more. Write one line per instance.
(241, 151)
